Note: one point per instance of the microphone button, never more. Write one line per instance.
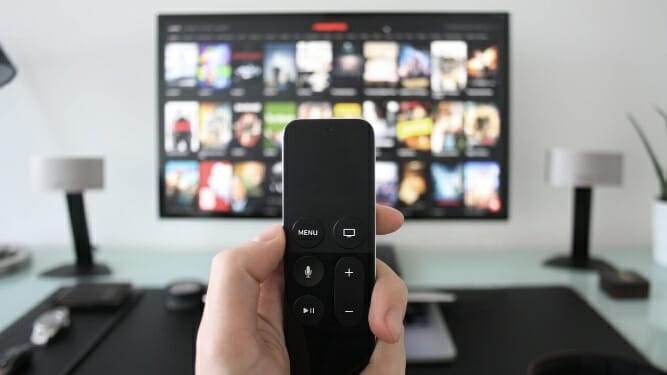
(308, 271)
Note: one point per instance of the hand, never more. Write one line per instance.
(241, 330)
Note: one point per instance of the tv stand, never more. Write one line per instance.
(427, 337)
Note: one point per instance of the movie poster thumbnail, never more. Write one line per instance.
(481, 183)
(181, 127)
(414, 67)
(180, 64)
(447, 184)
(215, 186)
(382, 117)
(347, 110)
(276, 116)
(313, 62)
(449, 75)
(247, 128)
(413, 186)
(381, 64)
(386, 182)
(215, 66)
(481, 127)
(279, 68)
(483, 65)
(273, 200)
(247, 73)
(447, 138)
(247, 190)
(181, 181)
(414, 125)
(215, 128)
(315, 110)
(276, 178)
(348, 67)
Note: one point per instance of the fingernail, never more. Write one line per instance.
(269, 233)
(394, 320)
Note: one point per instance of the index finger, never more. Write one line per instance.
(388, 303)
(387, 219)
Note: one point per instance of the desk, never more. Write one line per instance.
(643, 323)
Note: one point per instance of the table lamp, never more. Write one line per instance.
(73, 176)
(7, 70)
(582, 170)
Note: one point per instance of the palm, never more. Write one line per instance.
(265, 352)
(272, 353)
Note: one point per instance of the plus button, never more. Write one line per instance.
(349, 272)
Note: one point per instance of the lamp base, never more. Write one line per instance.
(591, 264)
(72, 270)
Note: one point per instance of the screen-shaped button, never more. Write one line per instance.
(349, 291)
(308, 309)
(307, 232)
(308, 271)
(349, 232)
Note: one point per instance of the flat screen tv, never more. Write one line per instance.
(435, 88)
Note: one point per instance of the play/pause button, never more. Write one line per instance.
(308, 309)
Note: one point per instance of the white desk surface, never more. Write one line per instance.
(642, 322)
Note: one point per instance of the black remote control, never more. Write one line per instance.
(329, 219)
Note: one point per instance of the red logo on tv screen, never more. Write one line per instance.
(327, 27)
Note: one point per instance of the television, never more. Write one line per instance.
(435, 88)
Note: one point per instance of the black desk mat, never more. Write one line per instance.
(497, 331)
(150, 340)
(66, 351)
(500, 331)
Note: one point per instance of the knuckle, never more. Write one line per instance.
(224, 260)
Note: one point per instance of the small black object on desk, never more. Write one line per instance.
(624, 284)
(94, 296)
(184, 295)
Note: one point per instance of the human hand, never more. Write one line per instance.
(241, 330)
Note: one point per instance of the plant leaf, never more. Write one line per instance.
(662, 113)
(656, 164)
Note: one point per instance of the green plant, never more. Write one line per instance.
(651, 153)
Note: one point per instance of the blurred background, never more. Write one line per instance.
(87, 86)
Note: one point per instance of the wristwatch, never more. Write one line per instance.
(47, 325)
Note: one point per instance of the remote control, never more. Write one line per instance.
(329, 219)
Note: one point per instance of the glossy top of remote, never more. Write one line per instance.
(329, 219)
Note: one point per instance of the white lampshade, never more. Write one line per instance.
(570, 168)
(70, 174)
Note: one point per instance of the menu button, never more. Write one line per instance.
(307, 232)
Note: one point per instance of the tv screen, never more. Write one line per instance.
(433, 86)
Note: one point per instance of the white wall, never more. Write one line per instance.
(87, 85)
